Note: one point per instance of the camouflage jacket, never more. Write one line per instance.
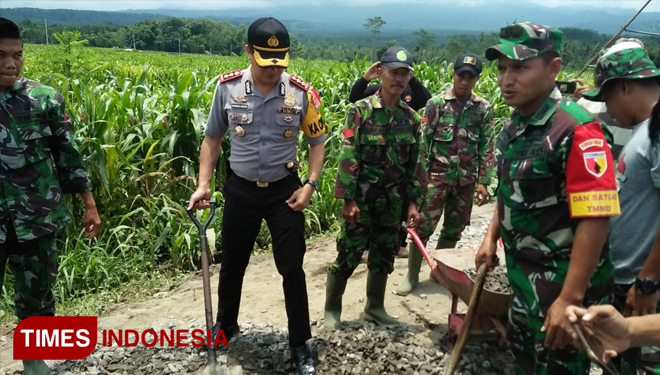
(39, 161)
(458, 139)
(554, 167)
(383, 148)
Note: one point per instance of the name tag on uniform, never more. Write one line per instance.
(239, 106)
(291, 110)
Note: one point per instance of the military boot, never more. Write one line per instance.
(334, 290)
(412, 278)
(442, 244)
(375, 309)
(35, 367)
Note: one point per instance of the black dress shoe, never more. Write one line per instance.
(303, 359)
(229, 332)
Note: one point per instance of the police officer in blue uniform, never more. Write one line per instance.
(263, 109)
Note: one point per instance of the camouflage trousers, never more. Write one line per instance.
(532, 357)
(456, 201)
(378, 231)
(34, 266)
(635, 361)
(533, 294)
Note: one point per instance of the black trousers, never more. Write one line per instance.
(246, 205)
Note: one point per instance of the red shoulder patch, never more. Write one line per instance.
(590, 178)
(300, 82)
(224, 77)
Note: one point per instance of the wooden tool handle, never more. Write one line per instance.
(469, 317)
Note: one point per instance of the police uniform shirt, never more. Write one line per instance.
(264, 128)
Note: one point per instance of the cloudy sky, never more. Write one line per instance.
(114, 5)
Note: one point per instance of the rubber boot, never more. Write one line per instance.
(334, 290)
(375, 309)
(412, 278)
(442, 244)
(35, 367)
(445, 244)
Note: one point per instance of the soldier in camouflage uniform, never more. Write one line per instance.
(382, 158)
(627, 81)
(556, 193)
(458, 132)
(620, 136)
(39, 162)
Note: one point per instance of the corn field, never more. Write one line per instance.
(139, 120)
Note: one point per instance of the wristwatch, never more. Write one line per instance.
(647, 286)
(313, 183)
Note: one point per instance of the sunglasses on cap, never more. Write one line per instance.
(511, 32)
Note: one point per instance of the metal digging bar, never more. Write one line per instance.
(208, 307)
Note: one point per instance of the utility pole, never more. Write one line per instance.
(46, 23)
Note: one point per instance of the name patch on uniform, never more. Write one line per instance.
(596, 162)
(530, 152)
(594, 142)
(596, 203)
(239, 106)
(290, 110)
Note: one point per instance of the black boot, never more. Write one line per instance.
(229, 332)
(303, 359)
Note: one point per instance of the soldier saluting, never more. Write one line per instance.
(263, 109)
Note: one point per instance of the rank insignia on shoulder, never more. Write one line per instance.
(224, 77)
(288, 133)
(299, 82)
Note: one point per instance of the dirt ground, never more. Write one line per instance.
(263, 299)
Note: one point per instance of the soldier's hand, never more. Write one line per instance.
(199, 199)
(556, 325)
(482, 194)
(92, 222)
(372, 72)
(351, 212)
(581, 89)
(300, 198)
(487, 253)
(606, 324)
(639, 304)
(413, 216)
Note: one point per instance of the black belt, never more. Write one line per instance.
(261, 184)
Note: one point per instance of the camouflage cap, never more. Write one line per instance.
(522, 41)
(622, 61)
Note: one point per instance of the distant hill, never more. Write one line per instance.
(323, 20)
(439, 16)
(76, 17)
